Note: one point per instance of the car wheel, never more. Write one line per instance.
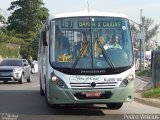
(114, 106)
(29, 79)
(21, 80)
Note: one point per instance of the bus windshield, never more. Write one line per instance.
(91, 42)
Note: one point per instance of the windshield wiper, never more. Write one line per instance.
(105, 54)
(84, 47)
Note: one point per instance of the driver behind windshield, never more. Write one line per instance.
(113, 42)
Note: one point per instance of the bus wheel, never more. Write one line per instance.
(41, 90)
(114, 106)
(49, 105)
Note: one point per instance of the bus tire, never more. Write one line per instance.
(114, 106)
(41, 90)
(48, 104)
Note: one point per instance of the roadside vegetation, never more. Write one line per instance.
(22, 28)
(10, 45)
(147, 73)
(152, 93)
(9, 50)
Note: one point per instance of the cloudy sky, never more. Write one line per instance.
(151, 8)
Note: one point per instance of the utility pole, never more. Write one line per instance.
(142, 43)
(88, 6)
(156, 42)
(144, 47)
(141, 39)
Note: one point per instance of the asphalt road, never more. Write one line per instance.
(23, 102)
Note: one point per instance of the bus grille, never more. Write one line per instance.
(109, 85)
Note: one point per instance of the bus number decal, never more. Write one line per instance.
(64, 58)
(119, 79)
(112, 79)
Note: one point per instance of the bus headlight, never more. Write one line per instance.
(54, 78)
(59, 82)
(130, 77)
(127, 80)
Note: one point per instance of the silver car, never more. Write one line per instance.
(15, 70)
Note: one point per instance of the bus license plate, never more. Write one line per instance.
(92, 94)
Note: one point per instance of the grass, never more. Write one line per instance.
(147, 73)
(5, 52)
(152, 93)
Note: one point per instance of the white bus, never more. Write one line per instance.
(76, 67)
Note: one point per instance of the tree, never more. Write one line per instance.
(158, 47)
(149, 30)
(26, 20)
(2, 19)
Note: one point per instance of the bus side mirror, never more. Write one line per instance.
(44, 34)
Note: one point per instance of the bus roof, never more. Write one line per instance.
(90, 13)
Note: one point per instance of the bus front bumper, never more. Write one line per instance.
(59, 95)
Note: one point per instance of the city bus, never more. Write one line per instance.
(76, 68)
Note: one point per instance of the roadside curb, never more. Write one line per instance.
(154, 102)
(144, 79)
(148, 101)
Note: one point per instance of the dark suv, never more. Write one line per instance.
(15, 70)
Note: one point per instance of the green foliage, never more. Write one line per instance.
(27, 17)
(24, 51)
(150, 31)
(26, 21)
(158, 47)
(10, 52)
(10, 45)
(34, 50)
(152, 93)
(147, 73)
(2, 19)
(10, 39)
